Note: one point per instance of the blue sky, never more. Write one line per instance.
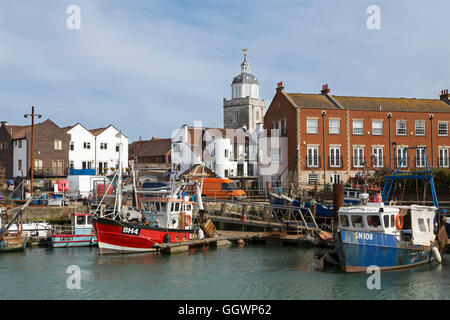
(148, 67)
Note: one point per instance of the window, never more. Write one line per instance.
(285, 126)
(358, 127)
(103, 146)
(386, 221)
(336, 178)
(58, 144)
(37, 164)
(256, 115)
(358, 157)
(392, 221)
(420, 128)
(20, 144)
(421, 223)
(378, 159)
(401, 127)
(279, 128)
(400, 153)
(373, 221)
(80, 220)
(19, 167)
(58, 166)
(313, 157)
(71, 164)
(275, 181)
(226, 173)
(344, 220)
(335, 157)
(334, 126)
(420, 157)
(86, 145)
(357, 221)
(275, 155)
(377, 127)
(226, 153)
(313, 178)
(72, 145)
(86, 165)
(118, 146)
(443, 157)
(312, 126)
(443, 128)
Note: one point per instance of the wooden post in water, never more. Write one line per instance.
(338, 200)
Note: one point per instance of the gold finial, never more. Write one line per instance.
(245, 53)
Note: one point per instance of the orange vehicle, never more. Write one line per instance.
(218, 188)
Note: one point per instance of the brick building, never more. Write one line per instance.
(51, 145)
(337, 136)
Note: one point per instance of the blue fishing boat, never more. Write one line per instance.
(80, 234)
(388, 236)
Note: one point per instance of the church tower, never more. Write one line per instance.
(244, 109)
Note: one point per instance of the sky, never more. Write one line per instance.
(148, 67)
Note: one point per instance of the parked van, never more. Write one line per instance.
(218, 188)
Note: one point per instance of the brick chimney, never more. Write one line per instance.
(444, 95)
(280, 87)
(325, 89)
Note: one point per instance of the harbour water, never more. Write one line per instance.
(250, 272)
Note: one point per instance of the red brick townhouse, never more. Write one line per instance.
(337, 136)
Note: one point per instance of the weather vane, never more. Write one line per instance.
(245, 52)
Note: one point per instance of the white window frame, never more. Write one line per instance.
(334, 126)
(312, 160)
(377, 131)
(335, 157)
(420, 157)
(440, 130)
(312, 129)
(358, 157)
(401, 150)
(399, 130)
(358, 130)
(333, 178)
(379, 156)
(275, 155)
(443, 157)
(313, 178)
(417, 128)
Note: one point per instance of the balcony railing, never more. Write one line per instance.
(50, 172)
(314, 162)
(335, 162)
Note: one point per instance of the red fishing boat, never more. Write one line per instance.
(160, 216)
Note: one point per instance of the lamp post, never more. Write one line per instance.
(389, 116)
(431, 124)
(32, 115)
(324, 113)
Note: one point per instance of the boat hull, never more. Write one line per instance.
(73, 240)
(121, 237)
(359, 250)
(12, 243)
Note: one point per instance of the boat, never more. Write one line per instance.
(161, 216)
(41, 230)
(8, 241)
(388, 236)
(79, 234)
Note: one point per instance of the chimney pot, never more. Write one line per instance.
(280, 87)
(325, 89)
(444, 94)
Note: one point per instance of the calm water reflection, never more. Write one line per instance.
(251, 272)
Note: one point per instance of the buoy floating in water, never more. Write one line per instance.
(436, 254)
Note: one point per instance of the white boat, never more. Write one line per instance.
(42, 230)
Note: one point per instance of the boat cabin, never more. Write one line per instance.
(164, 212)
(416, 222)
(82, 223)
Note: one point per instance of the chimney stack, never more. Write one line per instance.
(325, 89)
(444, 95)
(280, 87)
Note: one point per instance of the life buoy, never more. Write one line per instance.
(188, 220)
(399, 221)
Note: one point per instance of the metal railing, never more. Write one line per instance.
(262, 213)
